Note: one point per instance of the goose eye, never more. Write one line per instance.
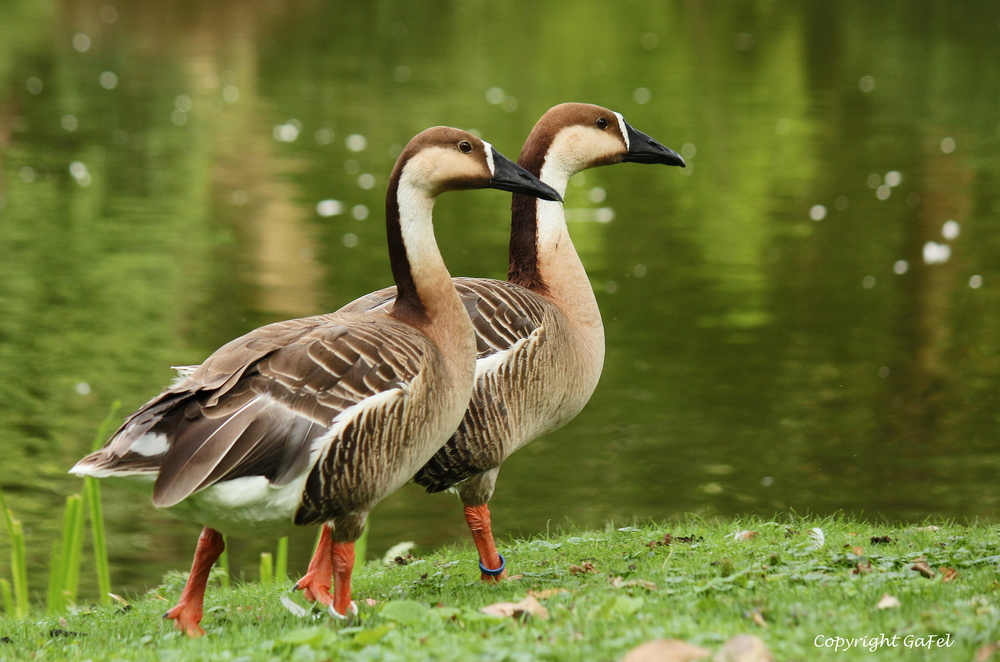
(602, 123)
(465, 146)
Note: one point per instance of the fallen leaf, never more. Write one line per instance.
(744, 535)
(986, 652)
(862, 569)
(371, 602)
(514, 578)
(529, 606)
(547, 593)
(923, 569)
(881, 540)
(666, 650)
(950, 574)
(744, 648)
(929, 528)
(887, 602)
(758, 618)
(617, 582)
(857, 551)
(586, 568)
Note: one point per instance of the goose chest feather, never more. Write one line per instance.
(539, 335)
(315, 420)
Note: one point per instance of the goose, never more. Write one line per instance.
(539, 335)
(315, 420)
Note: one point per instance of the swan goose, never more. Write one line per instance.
(539, 335)
(315, 420)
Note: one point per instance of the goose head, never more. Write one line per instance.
(443, 159)
(572, 137)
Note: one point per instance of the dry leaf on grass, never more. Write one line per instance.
(950, 574)
(928, 528)
(371, 602)
(547, 593)
(666, 650)
(758, 618)
(585, 568)
(923, 569)
(986, 652)
(529, 606)
(857, 551)
(862, 569)
(887, 602)
(744, 535)
(618, 582)
(744, 648)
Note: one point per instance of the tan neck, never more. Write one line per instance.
(441, 315)
(559, 267)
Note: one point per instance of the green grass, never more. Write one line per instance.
(779, 585)
(92, 497)
(15, 593)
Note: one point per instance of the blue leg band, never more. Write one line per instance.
(494, 573)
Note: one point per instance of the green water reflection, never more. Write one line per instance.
(161, 167)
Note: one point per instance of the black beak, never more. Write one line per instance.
(643, 149)
(508, 176)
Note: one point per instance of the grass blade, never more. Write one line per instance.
(281, 560)
(266, 568)
(92, 494)
(105, 427)
(361, 548)
(54, 601)
(72, 548)
(19, 569)
(223, 563)
(92, 491)
(8, 597)
(18, 560)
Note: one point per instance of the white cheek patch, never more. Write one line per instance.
(621, 126)
(489, 157)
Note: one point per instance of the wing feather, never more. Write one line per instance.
(258, 404)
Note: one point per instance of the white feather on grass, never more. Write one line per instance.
(818, 538)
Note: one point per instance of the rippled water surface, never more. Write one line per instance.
(807, 318)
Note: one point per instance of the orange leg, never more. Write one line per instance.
(315, 585)
(187, 614)
(491, 564)
(342, 557)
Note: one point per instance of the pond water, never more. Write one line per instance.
(806, 319)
